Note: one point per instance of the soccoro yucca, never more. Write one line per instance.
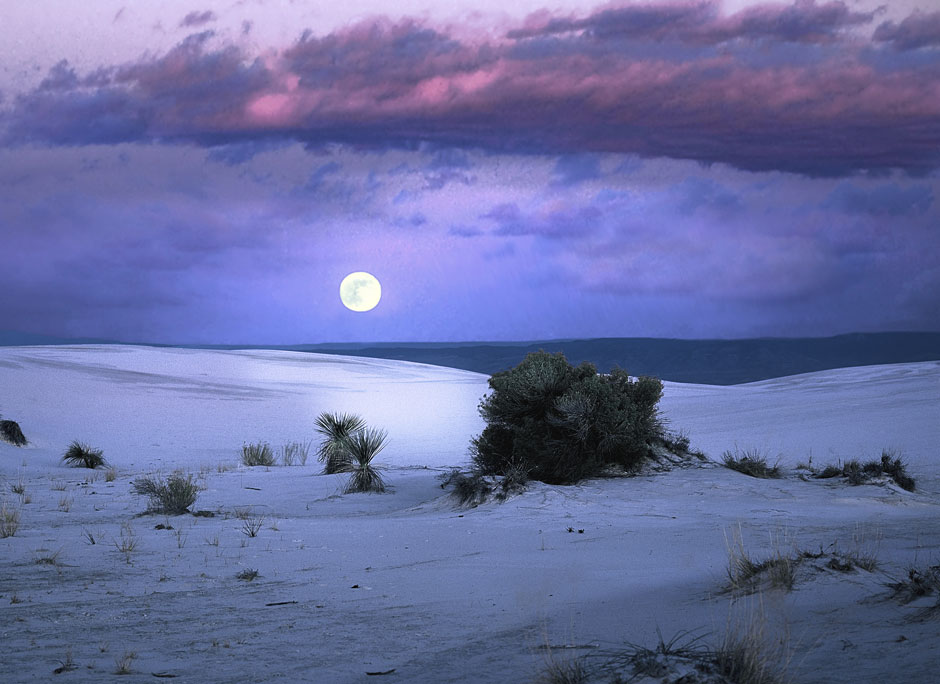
(361, 447)
(336, 428)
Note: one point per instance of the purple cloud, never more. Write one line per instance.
(921, 29)
(196, 18)
(380, 85)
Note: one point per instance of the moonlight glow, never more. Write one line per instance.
(360, 291)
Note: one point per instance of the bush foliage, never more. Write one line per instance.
(10, 432)
(336, 429)
(562, 424)
(172, 496)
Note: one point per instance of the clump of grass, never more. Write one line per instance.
(564, 672)
(127, 542)
(65, 503)
(896, 469)
(110, 475)
(294, 452)
(336, 429)
(18, 488)
(746, 656)
(252, 524)
(44, 557)
(80, 455)
(362, 446)
(11, 433)
(9, 521)
(750, 462)
(122, 665)
(259, 454)
(172, 496)
(247, 575)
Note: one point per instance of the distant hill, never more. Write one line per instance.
(712, 362)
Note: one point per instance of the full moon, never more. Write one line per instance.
(360, 291)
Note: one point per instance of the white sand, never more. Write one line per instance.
(444, 594)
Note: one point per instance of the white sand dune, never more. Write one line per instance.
(409, 582)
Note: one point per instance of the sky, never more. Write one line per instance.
(209, 171)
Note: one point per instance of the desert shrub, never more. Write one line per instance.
(10, 432)
(173, 495)
(362, 446)
(336, 429)
(80, 454)
(918, 583)
(750, 462)
(857, 473)
(259, 454)
(248, 575)
(564, 424)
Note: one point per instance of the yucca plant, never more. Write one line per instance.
(336, 428)
(80, 454)
(361, 447)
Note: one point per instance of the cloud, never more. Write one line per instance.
(195, 18)
(919, 30)
(576, 169)
(611, 82)
(890, 200)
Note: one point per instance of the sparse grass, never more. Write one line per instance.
(917, 584)
(294, 452)
(259, 454)
(122, 665)
(11, 433)
(563, 672)
(67, 664)
(58, 486)
(9, 521)
(336, 429)
(172, 496)
(750, 462)
(80, 455)
(362, 446)
(65, 503)
(213, 541)
(473, 489)
(247, 575)
(18, 488)
(127, 542)
(110, 475)
(252, 524)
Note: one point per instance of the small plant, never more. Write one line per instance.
(172, 496)
(336, 429)
(918, 583)
(362, 446)
(563, 672)
(11, 433)
(9, 521)
(18, 488)
(127, 543)
(65, 503)
(66, 665)
(58, 486)
(750, 462)
(745, 655)
(122, 665)
(259, 454)
(90, 537)
(247, 575)
(857, 473)
(252, 524)
(110, 475)
(44, 557)
(475, 488)
(80, 455)
(294, 452)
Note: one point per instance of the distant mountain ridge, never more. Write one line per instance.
(712, 362)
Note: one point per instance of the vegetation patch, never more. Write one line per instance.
(361, 447)
(80, 455)
(11, 433)
(172, 495)
(750, 462)
(857, 473)
(474, 488)
(563, 424)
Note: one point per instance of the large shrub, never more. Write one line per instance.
(562, 424)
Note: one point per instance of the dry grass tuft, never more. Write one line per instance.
(259, 454)
(9, 521)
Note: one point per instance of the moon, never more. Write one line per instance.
(360, 291)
